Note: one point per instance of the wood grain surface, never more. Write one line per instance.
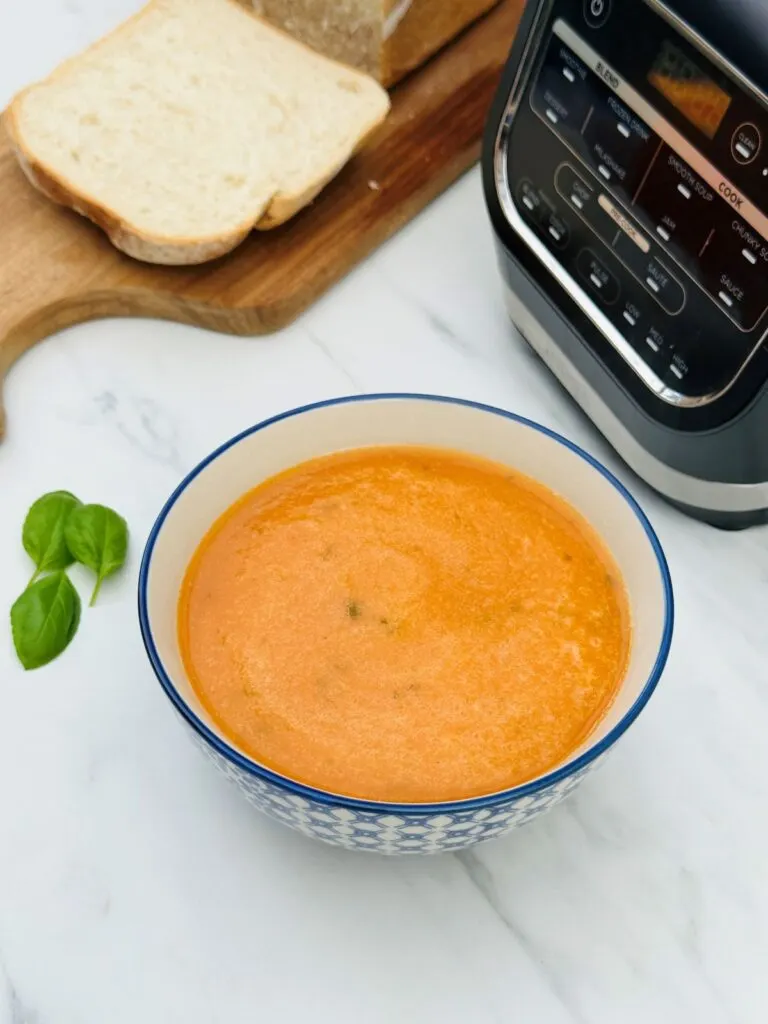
(57, 269)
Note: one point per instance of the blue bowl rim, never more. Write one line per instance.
(383, 807)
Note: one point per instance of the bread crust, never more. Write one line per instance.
(331, 27)
(399, 35)
(284, 206)
(131, 241)
(425, 28)
(178, 250)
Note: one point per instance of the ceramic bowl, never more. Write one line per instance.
(291, 438)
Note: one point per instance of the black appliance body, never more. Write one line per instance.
(625, 171)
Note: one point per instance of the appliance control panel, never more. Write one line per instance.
(638, 170)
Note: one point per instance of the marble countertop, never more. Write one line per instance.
(136, 885)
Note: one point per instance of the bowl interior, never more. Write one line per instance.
(282, 443)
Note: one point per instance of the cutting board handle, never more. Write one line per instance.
(25, 317)
(24, 323)
(48, 264)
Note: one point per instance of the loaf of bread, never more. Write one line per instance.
(189, 125)
(384, 38)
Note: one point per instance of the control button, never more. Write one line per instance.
(663, 286)
(531, 199)
(745, 144)
(680, 205)
(734, 267)
(741, 305)
(541, 211)
(620, 144)
(678, 369)
(600, 280)
(655, 350)
(582, 198)
(656, 342)
(558, 230)
(562, 104)
(597, 12)
(737, 235)
(573, 188)
(635, 253)
(631, 314)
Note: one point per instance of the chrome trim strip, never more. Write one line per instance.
(707, 495)
(525, 66)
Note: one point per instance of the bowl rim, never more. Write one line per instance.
(326, 797)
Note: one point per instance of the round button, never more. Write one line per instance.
(746, 142)
(596, 12)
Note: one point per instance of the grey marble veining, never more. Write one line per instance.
(135, 885)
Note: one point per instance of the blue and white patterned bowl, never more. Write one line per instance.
(306, 433)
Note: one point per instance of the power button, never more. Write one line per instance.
(597, 12)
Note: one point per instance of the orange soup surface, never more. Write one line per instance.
(404, 624)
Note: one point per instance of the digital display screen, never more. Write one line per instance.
(689, 89)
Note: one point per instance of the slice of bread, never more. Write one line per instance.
(189, 125)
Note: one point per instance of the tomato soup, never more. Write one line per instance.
(404, 624)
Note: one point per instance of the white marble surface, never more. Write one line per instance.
(136, 886)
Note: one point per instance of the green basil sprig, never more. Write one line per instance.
(43, 532)
(98, 538)
(58, 531)
(44, 619)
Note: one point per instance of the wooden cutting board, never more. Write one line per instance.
(57, 269)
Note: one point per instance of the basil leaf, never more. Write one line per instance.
(98, 538)
(44, 620)
(43, 532)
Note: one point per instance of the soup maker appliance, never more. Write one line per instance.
(626, 174)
